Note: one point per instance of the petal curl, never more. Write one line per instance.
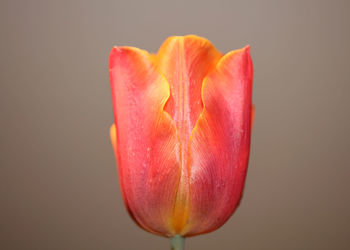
(185, 61)
(148, 164)
(219, 144)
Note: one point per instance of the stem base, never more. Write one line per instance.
(177, 242)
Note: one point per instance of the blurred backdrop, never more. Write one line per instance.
(59, 186)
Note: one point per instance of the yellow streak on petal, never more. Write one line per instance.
(113, 136)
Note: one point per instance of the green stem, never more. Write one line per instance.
(177, 243)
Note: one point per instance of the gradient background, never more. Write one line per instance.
(59, 187)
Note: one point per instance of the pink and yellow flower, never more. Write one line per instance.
(182, 133)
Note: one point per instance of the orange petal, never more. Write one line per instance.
(147, 145)
(219, 144)
(185, 61)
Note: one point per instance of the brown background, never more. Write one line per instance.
(59, 186)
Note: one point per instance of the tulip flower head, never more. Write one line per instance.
(182, 133)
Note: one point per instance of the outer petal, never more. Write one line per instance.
(147, 146)
(185, 61)
(219, 145)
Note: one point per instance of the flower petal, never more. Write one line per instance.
(148, 164)
(185, 61)
(219, 144)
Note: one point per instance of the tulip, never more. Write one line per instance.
(182, 133)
